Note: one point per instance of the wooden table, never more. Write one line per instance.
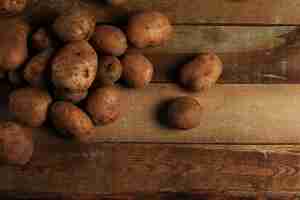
(248, 145)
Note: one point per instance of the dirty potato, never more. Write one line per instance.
(69, 119)
(109, 40)
(30, 105)
(184, 113)
(13, 43)
(201, 73)
(137, 70)
(149, 28)
(75, 66)
(74, 25)
(35, 72)
(104, 105)
(12, 7)
(16, 144)
(72, 96)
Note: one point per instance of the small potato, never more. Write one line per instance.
(116, 2)
(137, 70)
(30, 105)
(75, 66)
(13, 43)
(184, 113)
(109, 71)
(42, 40)
(12, 7)
(16, 144)
(202, 73)
(71, 120)
(104, 105)
(72, 96)
(77, 24)
(35, 70)
(109, 40)
(149, 28)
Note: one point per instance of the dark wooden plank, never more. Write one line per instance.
(99, 169)
(156, 196)
(184, 12)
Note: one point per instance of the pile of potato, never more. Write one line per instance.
(73, 60)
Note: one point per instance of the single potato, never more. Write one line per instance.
(30, 105)
(16, 144)
(75, 66)
(69, 119)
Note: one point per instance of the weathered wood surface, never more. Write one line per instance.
(65, 168)
(183, 12)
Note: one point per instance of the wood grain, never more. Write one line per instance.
(99, 169)
(184, 12)
(233, 114)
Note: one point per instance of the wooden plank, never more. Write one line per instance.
(233, 114)
(157, 196)
(101, 169)
(184, 12)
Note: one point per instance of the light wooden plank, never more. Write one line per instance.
(99, 169)
(233, 114)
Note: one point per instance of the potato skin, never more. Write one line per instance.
(104, 105)
(149, 28)
(42, 40)
(109, 40)
(72, 96)
(202, 73)
(12, 7)
(137, 70)
(109, 71)
(78, 24)
(13, 44)
(75, 66)
(184, 113)
(71, 120)
(35, 69)
(16, 143)
(30, 105)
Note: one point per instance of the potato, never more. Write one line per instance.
(12, 7)
(42, 40)
(75, 66)
(30, 105)
(202, 73)
(109, 70)
(104, 105)
(109, 40)
(13, 43)
(16, 144)
(72, 96)
(184, 113)
(137, 70)
(149, 28)
(116, 2)
(77, 24)
(35, 70)
(68, 119)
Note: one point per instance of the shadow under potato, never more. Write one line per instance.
(161, 113)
